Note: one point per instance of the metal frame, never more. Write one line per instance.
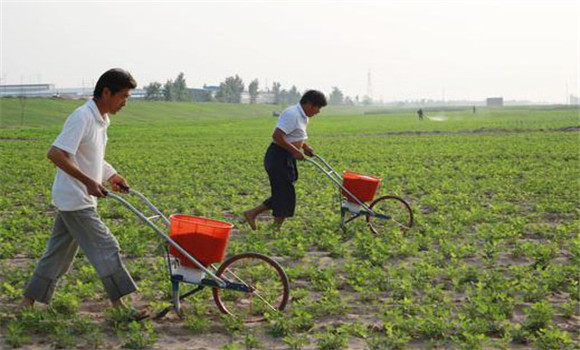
(214, 281)
(364, 210)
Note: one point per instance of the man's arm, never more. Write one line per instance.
(280, 139)
(63, 160)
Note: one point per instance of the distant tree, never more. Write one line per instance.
(168, 92)
(253, 90)
(288, 97)
(230, 90)
(283, 97)
(293, 95)
(180, 88)
(153, 91)
(176, 90)
(336, 97)
(276, 91)
(348, 101)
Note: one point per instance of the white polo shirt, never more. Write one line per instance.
(84, 138)
(293, 122)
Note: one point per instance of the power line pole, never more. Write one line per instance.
(369, 86)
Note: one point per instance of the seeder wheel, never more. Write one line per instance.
(399, 213)
(264, 276)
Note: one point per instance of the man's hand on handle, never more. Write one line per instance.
(96, 189)
(298, 155)
(118, 183)
(308, 150)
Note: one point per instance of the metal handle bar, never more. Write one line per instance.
(150, 205)
(329, 170)
(336, 178)
(168, 239)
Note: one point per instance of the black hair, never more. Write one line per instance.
(115, 80)
(314, 97)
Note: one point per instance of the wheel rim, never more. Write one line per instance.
(266, 279)
(400, 213)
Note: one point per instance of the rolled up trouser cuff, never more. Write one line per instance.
(40, 289)
(119, 284)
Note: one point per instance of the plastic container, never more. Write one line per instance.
(364, 187)
(205, 239)
(189, 274)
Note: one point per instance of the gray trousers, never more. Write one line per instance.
(81, 228)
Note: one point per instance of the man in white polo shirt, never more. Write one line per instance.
(79, 154)
(288, 142)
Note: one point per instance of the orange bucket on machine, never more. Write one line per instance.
(205, 239)
(364, 187)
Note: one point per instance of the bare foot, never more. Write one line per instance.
(26, 304)
(250, 220)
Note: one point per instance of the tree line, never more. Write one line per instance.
(230, 91)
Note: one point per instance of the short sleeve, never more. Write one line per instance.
(108, 171)
(287, 122)
(72, 133)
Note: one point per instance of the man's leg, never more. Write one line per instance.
(282, 178)
(251, 214)
(283, 200)
(278, 221)
(55, 262)
(102, 250)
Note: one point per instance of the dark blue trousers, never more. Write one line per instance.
(283, 173)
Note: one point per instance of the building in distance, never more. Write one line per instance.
(494, 101)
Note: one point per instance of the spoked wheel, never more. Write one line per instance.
(266, 279)
(399, 213)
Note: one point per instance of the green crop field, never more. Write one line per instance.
(491, 263)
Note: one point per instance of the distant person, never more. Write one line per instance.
(420, 113)
(473, 111)
(288, 142)
(79, 154)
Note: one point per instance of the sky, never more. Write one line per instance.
(391, 50)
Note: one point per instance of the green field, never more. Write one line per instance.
(492, 262)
